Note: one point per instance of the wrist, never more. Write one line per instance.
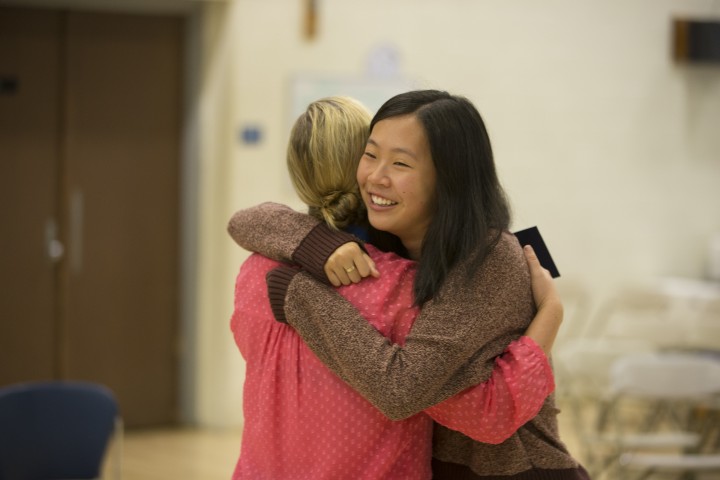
(316, 248)
(552, 306)
(278, 280)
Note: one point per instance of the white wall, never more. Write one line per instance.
(601, 140)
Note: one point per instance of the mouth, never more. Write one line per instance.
(381, 201)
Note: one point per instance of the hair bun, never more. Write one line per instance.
(340, 209)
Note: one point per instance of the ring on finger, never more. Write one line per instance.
(349, 269)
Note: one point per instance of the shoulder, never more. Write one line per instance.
(506, 253)
(508, 248)
(504, 268)
(507, 266)
(257, 263)
(250, 281)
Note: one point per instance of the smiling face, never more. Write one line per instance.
(397, 178)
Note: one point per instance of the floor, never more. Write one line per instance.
(210, 454)
(188, 454)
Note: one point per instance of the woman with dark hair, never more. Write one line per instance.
(467, 190)
(428, 178)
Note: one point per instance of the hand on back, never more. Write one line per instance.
(349, 264)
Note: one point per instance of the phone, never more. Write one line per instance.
(531, 236)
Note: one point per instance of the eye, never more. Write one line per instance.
(401, 164)
(369, 154)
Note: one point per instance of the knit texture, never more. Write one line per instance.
(452, 346)
(289, 396)
(277, 281)
(317, 247)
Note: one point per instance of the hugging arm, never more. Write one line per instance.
(277, 231)
(490, 412)
(452, 346)
(493, 410)
(515, 383)
(522, 373)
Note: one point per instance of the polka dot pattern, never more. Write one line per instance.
(303, 422)
(492, 411)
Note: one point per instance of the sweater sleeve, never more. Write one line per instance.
(490, 412)
(258, 229)
(278, 232)
(516, 391)
(409, 384)
(452, 346)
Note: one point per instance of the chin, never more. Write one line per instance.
(377, 223)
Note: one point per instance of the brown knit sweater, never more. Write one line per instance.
(451, 347)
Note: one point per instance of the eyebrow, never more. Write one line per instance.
(394, 150)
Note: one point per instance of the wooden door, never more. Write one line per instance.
(115, 319)
(120, 281)
(29, 157)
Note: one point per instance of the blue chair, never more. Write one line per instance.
(56, 430)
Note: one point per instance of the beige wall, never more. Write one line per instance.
(601, 140)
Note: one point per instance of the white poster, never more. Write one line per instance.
(371, 92)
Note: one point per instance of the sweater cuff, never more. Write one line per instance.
(315, 249)
(278, 280)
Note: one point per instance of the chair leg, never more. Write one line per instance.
(119, 437)
(646, 474)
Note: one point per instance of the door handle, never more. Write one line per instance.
(54, 247)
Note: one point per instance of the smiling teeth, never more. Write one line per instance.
(381, 201)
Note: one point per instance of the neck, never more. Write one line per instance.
(413, 249)
(413, 241)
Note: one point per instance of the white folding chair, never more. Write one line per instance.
(680, 464)
(582, 371)
(646, 417)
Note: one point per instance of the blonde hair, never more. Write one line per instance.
(326, 143)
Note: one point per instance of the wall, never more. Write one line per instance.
(600, 139)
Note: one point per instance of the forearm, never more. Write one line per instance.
(544, 327)
(446, 352)
(270, 229)
(493, 411)
(343, 340)
(278, 232)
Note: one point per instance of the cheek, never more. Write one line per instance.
(429, 187)
(361, 173)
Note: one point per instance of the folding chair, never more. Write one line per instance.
(662, 391)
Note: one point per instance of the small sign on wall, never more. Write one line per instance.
(251, 135)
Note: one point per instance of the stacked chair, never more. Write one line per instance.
(659, 416)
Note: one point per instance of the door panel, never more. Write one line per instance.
(89, 136)
(29, 136)
(121, 149)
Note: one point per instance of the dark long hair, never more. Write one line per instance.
(471, 208)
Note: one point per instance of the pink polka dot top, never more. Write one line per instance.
(301, 422)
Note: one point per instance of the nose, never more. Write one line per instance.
(377, 175)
